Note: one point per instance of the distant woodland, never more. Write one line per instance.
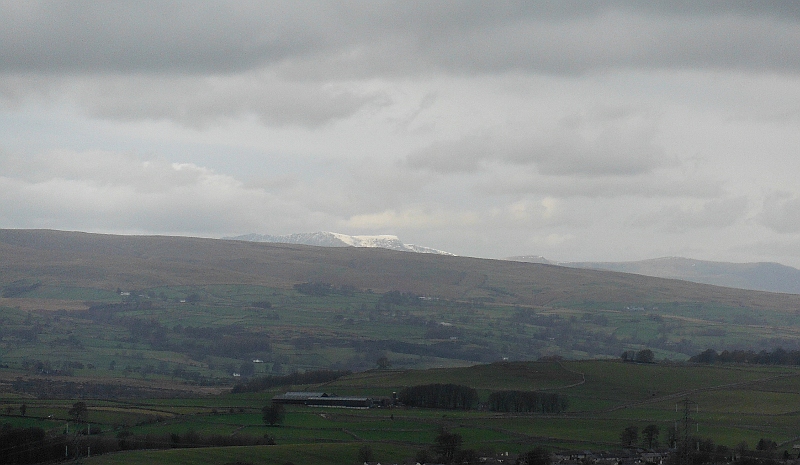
(778, 356)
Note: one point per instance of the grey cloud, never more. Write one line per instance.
(781, 212)
(147, 36)
(607, 143)
(105, 169)
(623, 39)
(780, 249)
(103, 191)
(370, 38)
(662, 185)
(715, 213)
(194, 101)
(198, 102)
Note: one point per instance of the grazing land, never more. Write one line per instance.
(734, 405)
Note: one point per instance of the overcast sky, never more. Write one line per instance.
(575, 130)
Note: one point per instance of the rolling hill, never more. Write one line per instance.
(112, 261)
(184, 309)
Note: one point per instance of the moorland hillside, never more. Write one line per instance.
(114, 261)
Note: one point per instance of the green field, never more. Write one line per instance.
(733, 405)
(203, 334)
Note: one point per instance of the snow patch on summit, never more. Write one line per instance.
(332, 239)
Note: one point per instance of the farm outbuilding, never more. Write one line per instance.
(323, 399)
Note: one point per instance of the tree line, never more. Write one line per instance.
(34, 445)
(642, 356)
(323, 289)
(778, 356)
(405, 299)
(443, 396)
(458, 397)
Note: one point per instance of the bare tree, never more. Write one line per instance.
(79, 411)
(650, 436)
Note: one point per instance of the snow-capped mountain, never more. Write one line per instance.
(531, 259)
(331, 239)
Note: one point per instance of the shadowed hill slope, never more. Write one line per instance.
(110, 261)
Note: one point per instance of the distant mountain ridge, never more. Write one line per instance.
(331, 239)
(761, 276)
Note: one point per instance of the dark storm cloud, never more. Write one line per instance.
(368, 38)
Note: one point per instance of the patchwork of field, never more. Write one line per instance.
(731, 405)
(173, 338)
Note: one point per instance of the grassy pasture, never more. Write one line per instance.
(734, 404)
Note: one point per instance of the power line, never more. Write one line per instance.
(686, 422)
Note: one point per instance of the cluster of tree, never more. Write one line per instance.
(145, 330)
(27, 445)
(778, 356)
(70, 341)
(527, 401)
(79, 411)
(443, 396)
(642, 356)
(704, 451)
(439, 331)
(232, 341)
(273, 414)
(404, 299)
(537, 456)
(127, 441)
(242, 345)
(528, 316)
(365, 454)
(308, 342)
(18, 288)
(45, 367)
(458, 350)
(309, 377)
(447, 449)
(630, 436)
(324, 289)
